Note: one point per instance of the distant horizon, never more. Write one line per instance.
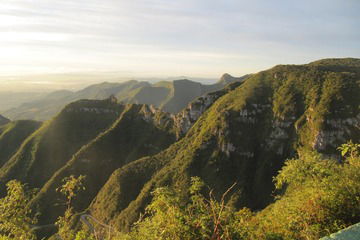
(158, 38)
(78, 80)
(47, 82)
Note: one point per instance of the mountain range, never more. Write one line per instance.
(170, 96)
(236, 131)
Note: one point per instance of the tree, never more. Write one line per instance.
(350, 150)
(70, 188)
(16, 218)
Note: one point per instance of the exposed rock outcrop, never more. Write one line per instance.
(335, 132)
(185, 119)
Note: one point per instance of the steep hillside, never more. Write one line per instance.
(53, 144)
(139, 131)
(171, 96)
(12, 135)
(245, 137)
(3, 120)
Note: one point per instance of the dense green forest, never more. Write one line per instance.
(274, 155)
(315, 197)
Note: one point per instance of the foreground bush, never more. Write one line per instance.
(318, 196)
(16, 219)
(321, 196)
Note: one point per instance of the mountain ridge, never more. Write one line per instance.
(166, 95)
(58, 139)
(138, 132)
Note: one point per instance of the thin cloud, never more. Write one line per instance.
(200, 38)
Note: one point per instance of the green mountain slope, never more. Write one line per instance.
(245, 137)
(53, 144)
(12, 135)
(139, 131)
(171, 96)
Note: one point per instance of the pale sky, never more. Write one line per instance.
(160, 38)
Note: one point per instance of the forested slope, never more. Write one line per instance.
(245, 137)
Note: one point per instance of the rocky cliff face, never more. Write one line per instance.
(335, 132)
(185, 119)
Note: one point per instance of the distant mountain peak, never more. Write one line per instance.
(226, 75)
(226, 78)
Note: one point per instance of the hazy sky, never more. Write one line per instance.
(159, 38)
